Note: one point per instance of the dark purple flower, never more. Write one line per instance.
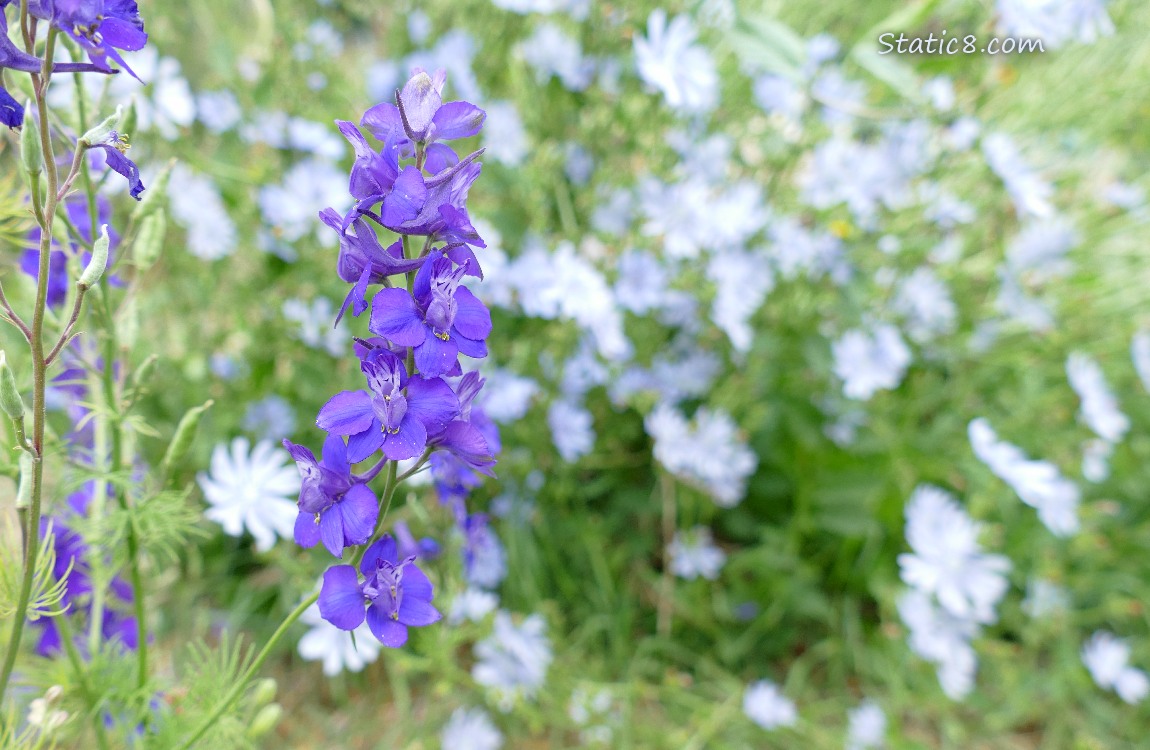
(468, 445)
(333, 507)
(397, 413)
(421, 114)
(11, 111)
(101, 27)
(363, 260)
(393, 596)
(114, 150)
(441, 322)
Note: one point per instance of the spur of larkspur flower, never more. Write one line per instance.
(441, 322)
(333, 507)
(393, 596)
(397, 414)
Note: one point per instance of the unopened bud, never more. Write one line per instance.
(182, 441)
(156, 196)
(105, 130)
(53, 694)
(150, 241)
(265, 721)
(31, 153)
(10, 400)
(265, 692)
(24, 489)
(99, 261)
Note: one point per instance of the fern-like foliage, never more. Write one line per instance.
(47, 592)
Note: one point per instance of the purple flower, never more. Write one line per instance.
(393, 596)
(363, 260)
(426, 547)
(11, 111)
(333, 507)
(396, 414)
(441, 322)
(101, 27)
(114, 156)
(421, 116)
(470, 442)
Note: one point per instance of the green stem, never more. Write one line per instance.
(39, 366)
(241, 684)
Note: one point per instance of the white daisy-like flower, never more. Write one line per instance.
(694, 555)
(1107, 657)
(669, 60)
(765, 704)
(471, 729)
(513, 661)
(1100, 409)
(866, 727)
(947, 560)
(335, 647)
(255, 491)
(870, 361)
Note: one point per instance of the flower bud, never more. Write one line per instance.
(182, 441)
(99, 261)
(10, 400)
(24, 488)
(265, 721)
(150, 240)
(264, 693)
(31, 153)
(128, 323)
(105, 130)
(53, 694)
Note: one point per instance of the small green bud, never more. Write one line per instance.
(98, 263)
(31, 154)
(185, 434)
(10, 400)
(102, 132)
(265, 721)
(150, 241)
(264, 693)
(24, 489)
(156, 196)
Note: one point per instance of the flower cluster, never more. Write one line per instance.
(417, 402)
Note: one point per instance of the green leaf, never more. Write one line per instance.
(767, 44)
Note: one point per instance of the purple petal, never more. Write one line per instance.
(432, 402)
(11, 111)
(124, 166)
(406, 198)
(122, 35)
(395, 317)
(471, 316)
(458, 120)
(461, 254)
(359, 510)
(335, 455)
(306, 530)
(346, 413)
(470, 348)
(385, 549)
(358, 295)
(362, 445)
(439, 158)
(383, 121)
(331, 530)
(389, 632)
(408, 442)
(419, 100)
(436, 357)
(416, 584)
(416, 612)
(340, 599)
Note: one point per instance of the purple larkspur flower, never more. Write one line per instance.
(396, 414)
(363, 260)
(471, 439)
(421, 115)
(103, 28)
(333, 507)
(115, 149)
(442, 320)
(393, 596)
